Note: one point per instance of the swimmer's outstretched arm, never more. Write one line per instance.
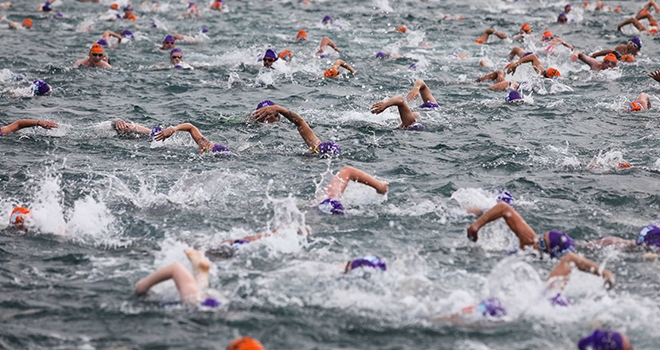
(592, 62)
(529, 58)
(561, 41)
(634, 22)
(497, 75)
(305, 131)
(325, 42)
(611, 241)
(407, 116)
(602, 53)
(525, 234)
(341, 63)
(107, 34)
(516, 52)
(420, 88)
(337, 185)
(26, 123)
(484, 37)
(201, 141)
(560, 273)
(122, 127)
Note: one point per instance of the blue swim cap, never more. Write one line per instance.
(128, 7)
(155, 130)
(491, 307)
(602, 340)
(366, 261)
(102, 42)
(649, 236)
(270, 53)
(169, 39)
(504, 196)
(416, 127)
(327, 148)
(59, 15)
(326, 20)
(211, 302)
(40, 87)
(331, 206)
(513, 96)
(429, 104)
(219, 148)
(127, 34)
(178, 66)
(239, 242)
(265, 103)
(47, 7)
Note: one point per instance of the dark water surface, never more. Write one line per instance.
(130, 206)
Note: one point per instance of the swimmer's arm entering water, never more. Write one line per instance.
(529, 58)
(305, 131)
(592, 62)
(107, 34)
(634, 22)
(325, 42)
(516, 223)
(407, 116)
(602, 53)
(560, 273)
(201, 141)
(341, 63)
(26, 123)
(337, 185)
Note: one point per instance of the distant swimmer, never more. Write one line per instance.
(286, 55)
(568, 8)
(128, 13)
(134, 130)
(631, 48)
(301, 36)
(335, 188)
(95, 59)
(323, 51)
(421, 89)
(170, 41)
(553, 41)
(500, 81)
(652, 29)
(333, 72)
(269, 58)
(409, 120)
(176, 58)
(526, 29)
(609, 61)
(26, 123)
(538, 67)
(193, 11)
(20, 218)
(371, 262)
(5, 5)
(105, 39)
(642, 103)
(648, 237)
(203, 145)
(191, 287)
(268, 118)
(26, 24)
(605, 340)
(315, 145)
(245, 343)
(217, 5)
(47, 6)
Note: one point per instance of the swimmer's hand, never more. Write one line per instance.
(610, 279)
(141, 287)
(511, 68)
(263, 113)
(473, 233)
(379, 107)
(413, 94)
(47, 124)
(382, 187)
(163, 135)
(655, 75)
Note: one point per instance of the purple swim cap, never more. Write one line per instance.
(326, 20)
(649, 236)
(331, 206)
(128, 7)
(568, 6)
(265, 103)
(270, 53)
(381, 54)
(528, 53)
(169, 39)
(366, 261)
(191, 4)
(429, 104)
(559, 300)
(47, 7)
(416, 127)
(560, 244)
(154, 25)
(412, 66)
(59, 15)
(513, 96)
(127, 34)
(211, 302)
(102, 42)
(602, 340)
(219, 148)
(328, 148)
(504, 196)
(175, 51)
(637, 41)
(155, 130)
(491, 307)
(203, 30)
(562, 15)
(239, 242)
(40, 87)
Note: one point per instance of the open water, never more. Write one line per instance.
(111, 210)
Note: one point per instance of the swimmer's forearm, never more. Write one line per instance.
(350, 69)
(601, 53)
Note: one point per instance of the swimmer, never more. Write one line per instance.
(217, 5)
(333, 72)
(20, 218)
(26, 123)
(47, 6)
(337, 185)
(170, 41)
(420, 88)
(229, 247)
(286, 55)
(609, 62)
(193, 11)
(568, 8)
(301, 36)
(652, 29)
(315, 145)
(526, 29)
(647, 8)
(106, 37)
(269, 58)
(555, 243)
(633, 47)
(203, 145)
(500, 83)
(605, 340)
(562, 19)
(95, 59)
(125, 129)
(191, 286)
(269, 118)
(552, 41)
(128, 13)
(5, 5)
(245, 343)
(642, 103)
(373, 262)
(648, 237)
(26, 24)
(127, 34)
(409, 120)
(176, 58)
(538, 67)
(325, 42)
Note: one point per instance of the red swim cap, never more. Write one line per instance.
(27, 23)
(245, 343)
(114, 6)
(526, 27)
(552, 72)
(402, 29)
(610, 57)
(331, 73)
(635, 106)
(17, 218)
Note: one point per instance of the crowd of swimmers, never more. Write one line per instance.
(558, 245)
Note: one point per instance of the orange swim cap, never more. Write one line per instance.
(653, 24)
(623, 165)
(114, 6)
(526, 27)
(402, 29)
(96, 48)
(610, 57)
(479, 41)
(17, 218)
(302, 34)
(552, 72)
(547, 33)
(618, 9)
(653, 30)
(27, 23)
(635, 106)
(286, 55)
(132, 17)
(331, 73)
(627, 58)
(245, 343)
(585, 4)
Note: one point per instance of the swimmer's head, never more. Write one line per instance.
(552, 73)
(402, 29)
(203, 30)
(562, 19)
(302, 35)
(270, 57)
(169, 42)
(47, 7)
(627, 58)
(547, 36)
(326, 20)
(504, 196)
(649, 236)
(635, 106)
(526, 29)
(27, 23)
(568, 8)
(154, 131)
(557, 245)
(606, 340)
(285, 55)
(102, 42)
(40, 87)
(610, 61)
(265, 103)
(331, 206)
(217, 4)
(114, 6)
(176, 56)
(191, 4)
(96, 52)
(245, 343)
(128, 8)
(381, 54)
(635, 43)
(366, 261)
(491, 307)
(331, 73)
(211, 302)
(18, 217)
(127, 34)
(513, 97)
(653, 30)
(327, 148)
(218, 148)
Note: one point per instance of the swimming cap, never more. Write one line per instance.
(504, 196)
(191, 4)
(156, 130)
(416, 127)
(525, 27)
(302, 35)
(402, 29)
(245, 343)
(27, 23)
(210, 302)
(560, 244)
(239, 242)
(331, 206)
(169, 39)
(217, 4)
(568, 6)
(559, 300)
(634, 106)
(128, 7)
(649, 236)
(127, 34)
(491, 307)
(623, 165)
(585, 4)
(47, 7)
(552, 73)
(366, 261)
(178, 66)
(547, 35)
(381, 54)
(326, 20)
(114, 6)
(562, 16)
(331, 73)
(610, 57)
(203, 30)
(265, 103)
(59, 15)
(413, 66)
(429, 104)
(40, 87)
(627, 58)
(102, 42)
(513, 96)
(219, 148)
(637, 41)
(17, 218)
(327, 148)
(154, 25)
(653, 30)
(286, 55)
(175, 51)
(602, 340)
(270, 53)
(96, 48)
